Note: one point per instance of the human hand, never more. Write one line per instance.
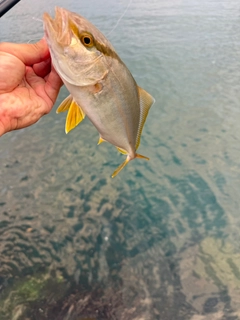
(29, 85)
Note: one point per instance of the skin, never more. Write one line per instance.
(29, 85)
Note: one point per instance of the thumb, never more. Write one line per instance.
(28, 53)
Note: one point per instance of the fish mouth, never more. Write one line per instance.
(56, 29)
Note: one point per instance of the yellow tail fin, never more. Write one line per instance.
(120, 167)
(141, 157)
(126, 162)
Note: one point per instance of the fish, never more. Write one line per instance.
(101, 86)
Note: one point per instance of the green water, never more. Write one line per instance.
(161, 240)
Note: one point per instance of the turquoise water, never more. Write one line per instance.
(161, 240)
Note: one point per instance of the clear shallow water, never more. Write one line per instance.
(161, 240)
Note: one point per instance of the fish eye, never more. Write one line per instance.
(87, 40)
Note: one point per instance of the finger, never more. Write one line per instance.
(42, 69)
(12, 71)
(35, 82)
(28, 53)
(47, 88)
(38, 85)
(53, 85)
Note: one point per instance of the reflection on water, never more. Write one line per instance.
(161, 240)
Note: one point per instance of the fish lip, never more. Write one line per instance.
(56, 27)
(49, 25)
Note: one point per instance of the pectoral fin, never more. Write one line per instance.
(146, 101)
(74, 117)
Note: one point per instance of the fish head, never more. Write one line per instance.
(78, 49)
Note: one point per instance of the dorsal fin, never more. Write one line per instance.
(145, 101)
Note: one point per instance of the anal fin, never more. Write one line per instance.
(122, 150)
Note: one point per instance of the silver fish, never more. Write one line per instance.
(100, 85)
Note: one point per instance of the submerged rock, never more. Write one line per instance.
(210, 276)
(17, 299)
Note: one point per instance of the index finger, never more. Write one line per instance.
(28, 53)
